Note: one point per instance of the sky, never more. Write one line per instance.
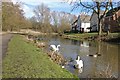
(54, 5)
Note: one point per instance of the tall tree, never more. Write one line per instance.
(12, 16)
(34, 23)
(42, 13)
(55, 19)
(0, 16)
(64, 22)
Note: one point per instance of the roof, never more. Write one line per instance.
(101, 12)
(85, 18)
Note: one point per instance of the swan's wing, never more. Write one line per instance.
(53, 47)
(81, 63)
(74, 62)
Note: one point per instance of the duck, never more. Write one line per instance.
(98, 54)
(41, 44)
(78, 63)
(94, 55)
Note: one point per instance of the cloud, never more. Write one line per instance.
(54, 5)
(28, 11)
(36, 2)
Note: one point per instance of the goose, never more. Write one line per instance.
(78, 63)
(54, 48)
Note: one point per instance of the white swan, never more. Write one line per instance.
(56, 49)
(78, 63)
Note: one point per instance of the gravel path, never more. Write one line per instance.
(4, 43)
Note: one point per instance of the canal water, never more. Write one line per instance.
(94, 67)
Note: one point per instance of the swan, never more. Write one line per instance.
(56, 49)
(78, 63)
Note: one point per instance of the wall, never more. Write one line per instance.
(85, 26)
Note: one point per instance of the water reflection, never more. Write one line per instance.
(101, 66)
(84, 44)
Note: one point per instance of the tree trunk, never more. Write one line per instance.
(108, 30)
(99, 27)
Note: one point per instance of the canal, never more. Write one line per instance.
(94, 67)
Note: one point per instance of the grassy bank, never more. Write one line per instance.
(78, 36)
(84, 36)
(23, 60)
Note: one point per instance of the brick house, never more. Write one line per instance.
(112, 20)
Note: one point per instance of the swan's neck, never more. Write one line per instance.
(78, 58)
(57, 46)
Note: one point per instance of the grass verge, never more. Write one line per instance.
(23, 60)
(82, 36)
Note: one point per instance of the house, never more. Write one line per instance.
(112, 20)
(94, 21)
(75, 26)
(82, 23)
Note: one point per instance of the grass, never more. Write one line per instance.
(23, 60)
(78, 36)
(82, 36)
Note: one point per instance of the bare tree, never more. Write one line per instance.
(64, 22)
(55, 19)
(0, 16)
(42, 13)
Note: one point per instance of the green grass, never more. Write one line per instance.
(79, 36)
(82, 36)
(23, 60)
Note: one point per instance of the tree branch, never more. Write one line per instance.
(106, 8)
